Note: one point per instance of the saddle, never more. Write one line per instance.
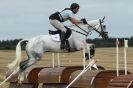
(67, 35)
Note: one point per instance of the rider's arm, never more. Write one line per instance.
(75, 21)
(72, 17)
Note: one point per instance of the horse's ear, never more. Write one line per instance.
(103, 19)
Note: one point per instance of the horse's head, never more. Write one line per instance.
(98, 26)
(102, 29)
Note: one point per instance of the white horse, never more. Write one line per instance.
(36, 46)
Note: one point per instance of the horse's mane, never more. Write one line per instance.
(90, 22)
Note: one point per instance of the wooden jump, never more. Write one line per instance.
(57, 77)
(30, 82)
(122, 81)
(94, 78)
(60, 77)
(50, 77)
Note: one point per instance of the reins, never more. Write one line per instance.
(82, 29)
(86, 33)
(80, 32)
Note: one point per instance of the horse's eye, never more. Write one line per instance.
(104, 26)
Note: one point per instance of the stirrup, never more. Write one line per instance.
(62, 46)
(65, 47)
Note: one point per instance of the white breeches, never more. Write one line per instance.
(58, 25)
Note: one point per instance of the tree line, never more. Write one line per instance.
(99, 42)
(10, 44)
(111, 42)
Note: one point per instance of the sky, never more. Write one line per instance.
(29, 18)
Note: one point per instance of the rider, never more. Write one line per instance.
(57, 18)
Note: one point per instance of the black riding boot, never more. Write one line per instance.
(62, 46)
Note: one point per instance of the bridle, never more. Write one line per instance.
(87, 33)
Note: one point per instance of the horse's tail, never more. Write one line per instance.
(18, 55)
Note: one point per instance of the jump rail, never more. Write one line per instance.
(122, 81)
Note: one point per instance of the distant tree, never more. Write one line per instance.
(130, 42)
(8, 44)
(99, 42)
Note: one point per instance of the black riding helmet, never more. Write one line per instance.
(74, 6)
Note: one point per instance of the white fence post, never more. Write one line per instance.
(58, 58)
(84, 58)
(53, 56)
(125, 55)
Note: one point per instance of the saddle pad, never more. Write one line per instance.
(56, 37)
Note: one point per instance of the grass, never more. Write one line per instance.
(105, 57)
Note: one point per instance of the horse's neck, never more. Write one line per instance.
(93, 22)
(79, 27)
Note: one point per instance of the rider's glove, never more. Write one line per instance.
(84, 20)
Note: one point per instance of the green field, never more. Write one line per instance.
(105, 57)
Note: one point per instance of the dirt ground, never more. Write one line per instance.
(105, 57)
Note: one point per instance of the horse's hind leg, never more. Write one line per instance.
(32, 59)
(23, 65)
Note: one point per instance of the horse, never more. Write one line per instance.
(38, 45)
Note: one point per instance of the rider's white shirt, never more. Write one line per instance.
(66, 14)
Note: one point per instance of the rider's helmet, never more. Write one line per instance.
(74, 6)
